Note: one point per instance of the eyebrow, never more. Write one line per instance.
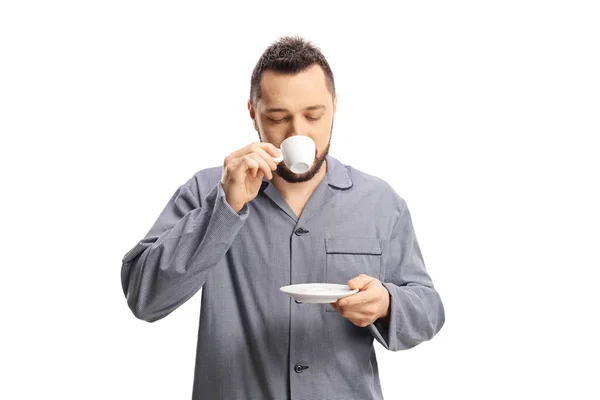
(309, 108)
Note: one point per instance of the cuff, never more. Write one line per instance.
(380, 332)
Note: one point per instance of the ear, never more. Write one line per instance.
(252, 114)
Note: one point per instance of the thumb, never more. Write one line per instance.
(359, 282)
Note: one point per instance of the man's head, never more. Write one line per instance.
(293, 93)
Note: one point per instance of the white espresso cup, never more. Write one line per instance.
(298, 153)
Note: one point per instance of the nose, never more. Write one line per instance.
(298, 127)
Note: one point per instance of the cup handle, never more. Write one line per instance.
(278, 159)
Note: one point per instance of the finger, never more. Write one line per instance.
(247, 165)
(239, 153)
(270, 148)
(267, 157)
(266, 146)
(263, 165)
(258, 148)
(359, 320)
(360, 281)
(237, 169)
(357, 299)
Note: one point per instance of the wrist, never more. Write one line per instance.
(235, 206)
(384, 316)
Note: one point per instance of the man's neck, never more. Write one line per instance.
(300, 190)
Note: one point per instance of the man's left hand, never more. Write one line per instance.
(372, 302)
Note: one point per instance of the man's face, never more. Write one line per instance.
(292, 105)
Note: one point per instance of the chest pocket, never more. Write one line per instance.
(348, 257)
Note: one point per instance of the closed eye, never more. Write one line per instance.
(278, 121)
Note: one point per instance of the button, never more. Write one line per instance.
(300, 231)
(298, 368)
(297, 301)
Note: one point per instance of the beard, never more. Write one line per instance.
(287, 175)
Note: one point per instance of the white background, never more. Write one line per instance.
(484, 116)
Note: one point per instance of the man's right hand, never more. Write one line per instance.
(243, 171)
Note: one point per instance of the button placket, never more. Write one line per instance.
(300, 232)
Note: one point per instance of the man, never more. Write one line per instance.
(243, 230)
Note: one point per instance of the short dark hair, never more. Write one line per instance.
(289, 55)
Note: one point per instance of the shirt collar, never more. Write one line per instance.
(337, 175)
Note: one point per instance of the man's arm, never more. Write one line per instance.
(173, 261)
(416, 313)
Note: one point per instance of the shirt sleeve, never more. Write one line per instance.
(416, 309)
(172, 262)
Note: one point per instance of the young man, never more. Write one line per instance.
(243, 230)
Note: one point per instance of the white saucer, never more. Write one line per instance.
(318, 292)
